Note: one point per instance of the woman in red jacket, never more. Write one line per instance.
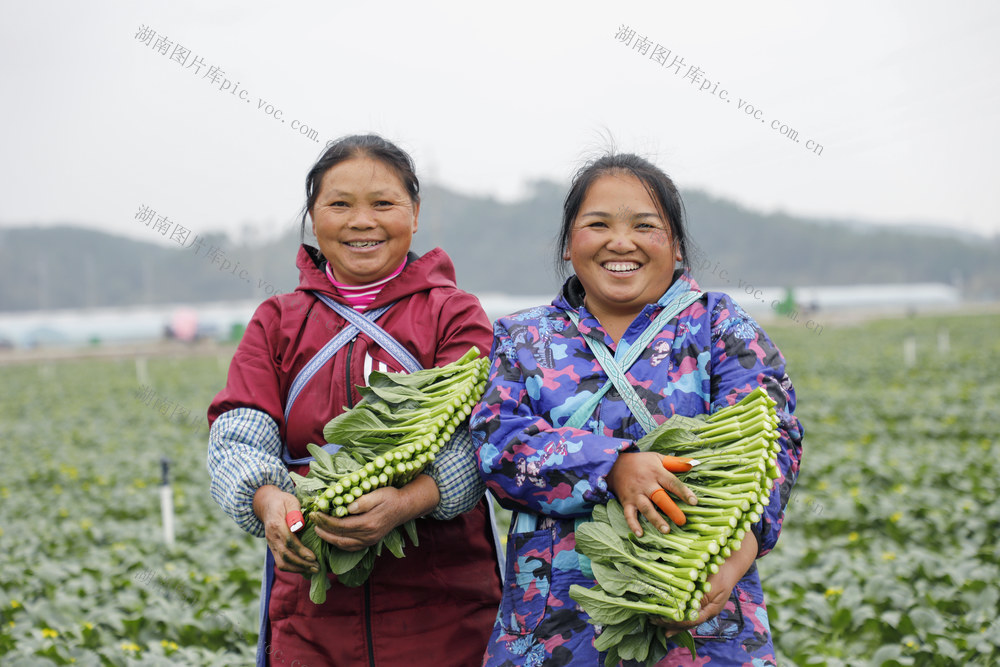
(437, 605)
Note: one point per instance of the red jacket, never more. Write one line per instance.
(437, 605)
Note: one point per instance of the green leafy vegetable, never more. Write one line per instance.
(387, 439)
(638, 578)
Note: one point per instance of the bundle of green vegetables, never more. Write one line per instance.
(388, 438)
(729, 460)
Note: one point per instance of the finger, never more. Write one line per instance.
(677, 488)
(648, 510)
(372, 500)
(286, 558)
(348, 526)
(347, 543)
(632, 519)
(322, 520)
(672, 627)
(668, 506)
(365, 503)
(285, 546)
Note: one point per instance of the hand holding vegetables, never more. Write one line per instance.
(634, 478)
(272, 505)
(720, 586)
(374, 514)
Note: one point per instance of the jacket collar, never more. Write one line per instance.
(433, 269)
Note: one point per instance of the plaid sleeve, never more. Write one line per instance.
(244, 451)
(457, 476)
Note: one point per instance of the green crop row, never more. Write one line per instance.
(888, 554)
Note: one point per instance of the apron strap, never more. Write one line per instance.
(624, 357)
(366, 323)
(326, 353)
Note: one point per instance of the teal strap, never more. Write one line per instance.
(624, 356)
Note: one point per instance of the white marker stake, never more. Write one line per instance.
(944, 344)
(141, 371)
(167, 503)
(910, 351)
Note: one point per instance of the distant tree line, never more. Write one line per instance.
(496, 246)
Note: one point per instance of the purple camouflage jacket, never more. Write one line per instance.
(708, 357)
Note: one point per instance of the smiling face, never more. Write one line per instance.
(363, 220)
(621, 247)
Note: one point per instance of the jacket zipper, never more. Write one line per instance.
(367, 585)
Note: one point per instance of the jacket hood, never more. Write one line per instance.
(433, 269)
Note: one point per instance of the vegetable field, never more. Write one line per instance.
(889, 554)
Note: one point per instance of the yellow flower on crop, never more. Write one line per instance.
(888, 555)
(1, 532)
(57, 489)
(899, 488)
(4, 492)
(130, 646)
(169, 645)
(896, 516)
(855, 492)
(853, 537)
(822, 485)
(63, 512)
(69, 471)
(910, 644)
(88, 625)
(139, 483)
(49, 632)
(833, 590)
(15, 604)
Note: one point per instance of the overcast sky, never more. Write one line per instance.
(902, 97)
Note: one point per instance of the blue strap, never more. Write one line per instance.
(286, 456)
(624, 357)
(324, 355)
(265, 600)
(367, 324)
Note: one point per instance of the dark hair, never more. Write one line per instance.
(660, 187)
(360, 145)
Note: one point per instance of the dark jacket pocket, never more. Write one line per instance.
(527, 582)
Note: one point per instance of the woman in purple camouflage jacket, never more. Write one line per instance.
(623, 231)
